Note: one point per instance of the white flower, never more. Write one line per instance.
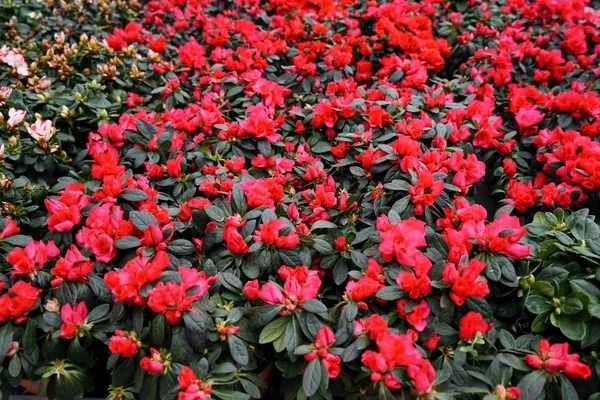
(41, 130)
(15, 117)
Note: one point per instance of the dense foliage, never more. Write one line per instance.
(369, 199)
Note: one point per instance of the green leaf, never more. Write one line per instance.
(265, 314)
(314, 306)
(538, 304)
(180, 247)
(78, 354)
(540, 322)
(567, 389)
(571, 306)
(322, 246)
(142, 219)
(127, 242)
(293, 337)
(30, 347)
(250, 388)
(14, 366)
(513, 361)
(16, 240)
(68, 388)
(312, 377)
(581, 285)
(6, 338)
(97, 101)
(572, 327)
(507, 340)
(390, 293)
(98, 312)
(145, 129)
(340, 271)
(133, 195)
(359, 259)
(238, 200)
(157, 330)
(585, 229)
(230, 281)
(149, 387)
(273, 330)
(479, 305)
(322, 224)
(194, 322)
(532, 385)
(238, 350)
(493, 270)
(214, 213)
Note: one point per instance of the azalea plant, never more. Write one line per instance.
(300, 199)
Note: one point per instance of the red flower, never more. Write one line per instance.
(159, 44)
(366, 285)
(376, 326)
(401, 241)
(8, 227)
(399, 350)
(503, 393)
(262, 192)
(32, 258)
(235, 242)
(195, 389)
(422, 375)
(116, 42)
(379, 369)
(251, 290)
(269, 233)
(300, 285)
(416, 283)
(73, 267)
(137, 272)
(17, 301)
(157, 363)
(416, 316)
(510, 167)
(74, 320)
(556, 358)
(464, 281)
(320, 348)
(432, 342)
(472, 323)
(62, 217)
(425, 191)
(169, 299)
(528, 117)
(124, 343)
(501, 236)
(522, 195)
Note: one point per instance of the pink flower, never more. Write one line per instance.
(528, 117)
(74, 319)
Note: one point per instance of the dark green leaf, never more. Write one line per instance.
(238, 349)
(312, 377)
(133, 195)
(142, 219)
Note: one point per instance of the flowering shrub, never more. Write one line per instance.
(382, 199)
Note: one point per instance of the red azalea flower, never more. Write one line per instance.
(472, 323)
(18, 300)
(556, 358)
(74, 320)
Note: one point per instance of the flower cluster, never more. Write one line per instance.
(382, 199)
